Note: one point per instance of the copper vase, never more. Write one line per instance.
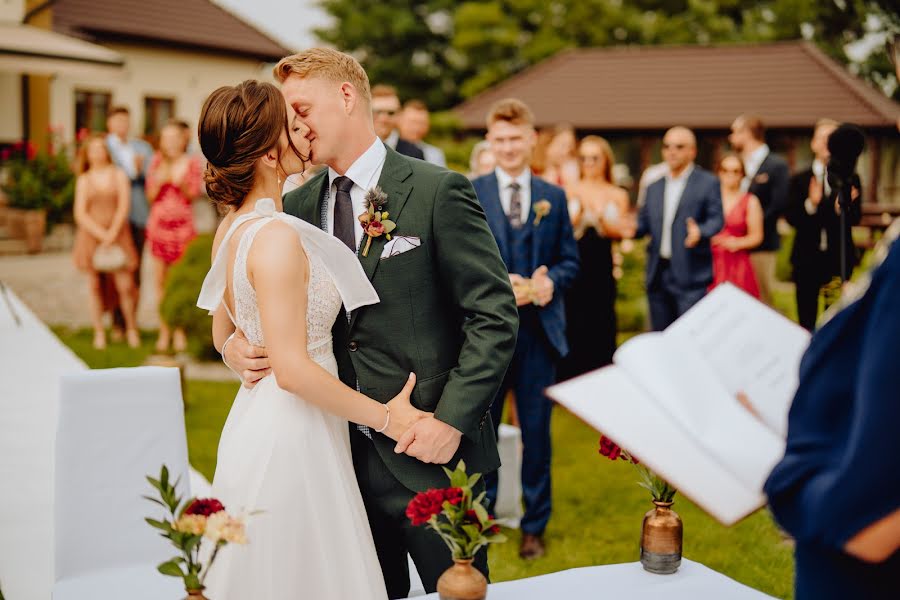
(661, 538)
(196, 594)
(462, 581)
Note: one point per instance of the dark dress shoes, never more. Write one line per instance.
(532, 547)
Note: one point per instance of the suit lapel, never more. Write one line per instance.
(393, 182)
(310, 205)
(537, 232)
(686, 195)
(494, 212)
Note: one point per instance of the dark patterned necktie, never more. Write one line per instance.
(343, 212)
(515, 205)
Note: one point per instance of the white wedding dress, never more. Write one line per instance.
(289, 458)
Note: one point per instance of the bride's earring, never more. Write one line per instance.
(278, 179)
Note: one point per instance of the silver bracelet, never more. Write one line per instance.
(387, 420)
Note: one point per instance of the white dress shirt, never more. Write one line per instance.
(433, 154)
(364, 173)
(671, 199)
(819, 172)
(504, 180)
(752, 164)
(123, 155)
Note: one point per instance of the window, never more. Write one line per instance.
(156, 112)
(91, 109)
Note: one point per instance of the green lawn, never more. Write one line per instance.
(598, 506)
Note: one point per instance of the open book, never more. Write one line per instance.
(671, 399)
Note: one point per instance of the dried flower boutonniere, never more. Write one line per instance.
(375, 220)
(541, 210)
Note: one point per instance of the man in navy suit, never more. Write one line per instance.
(682, 211)
(530, 221)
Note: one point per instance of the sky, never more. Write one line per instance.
(288, 21)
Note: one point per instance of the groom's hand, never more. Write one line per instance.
(251, 363)
(430, 441)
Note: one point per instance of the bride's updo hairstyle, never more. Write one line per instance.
(238, 125)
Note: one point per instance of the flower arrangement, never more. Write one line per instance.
(658, 487)
(187, 526)
(375, 220)
(456, 515)
(37, 179)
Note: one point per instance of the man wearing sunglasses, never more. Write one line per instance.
(682, 211)
(385, 112)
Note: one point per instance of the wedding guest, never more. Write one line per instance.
(836, 491)
(815, 216)
(173, 181)
(385, 111)
(597, 207)
(743, 229)
(413, 125)
(103, 239)
(132, 155)
(767, 179)
(682, 212)
(539, 155)
(562, 157)
(481, 161)
(530, 221)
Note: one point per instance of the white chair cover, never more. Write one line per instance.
(115, 427)
(509, 510)
(342, 264)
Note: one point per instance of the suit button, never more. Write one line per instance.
(353, 346)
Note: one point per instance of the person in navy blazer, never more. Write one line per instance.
(530, 221)
(836, 491)
(681, 212)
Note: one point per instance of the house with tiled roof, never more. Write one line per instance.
(632, 94)
(174, 53)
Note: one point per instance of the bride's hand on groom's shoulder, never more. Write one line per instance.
(403, 414)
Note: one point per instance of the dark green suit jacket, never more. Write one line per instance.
(447, 312)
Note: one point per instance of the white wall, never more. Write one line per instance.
(12, 10)
(187, 76)
(10, 107)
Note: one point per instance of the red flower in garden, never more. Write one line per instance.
(427, 504)
(204, 507)
(609, 448)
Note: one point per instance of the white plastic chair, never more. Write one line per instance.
(115, 427)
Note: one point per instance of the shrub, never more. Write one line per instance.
(179, 305)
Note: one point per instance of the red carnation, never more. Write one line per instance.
(204, 506)
(427, 504)
(609, 448)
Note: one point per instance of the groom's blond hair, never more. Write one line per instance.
(325, 63)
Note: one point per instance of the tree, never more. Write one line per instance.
(444, 51)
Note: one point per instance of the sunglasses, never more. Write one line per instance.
(674, 146)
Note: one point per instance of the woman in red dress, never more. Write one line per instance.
(173, 181)
(742, 232)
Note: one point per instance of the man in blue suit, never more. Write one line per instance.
(530, 221)
(682, 211)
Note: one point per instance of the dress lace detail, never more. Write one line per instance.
(323, 299)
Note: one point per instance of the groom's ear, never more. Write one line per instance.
(349, 96)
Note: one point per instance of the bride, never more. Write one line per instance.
(285, 448)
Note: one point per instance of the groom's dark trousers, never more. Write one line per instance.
(446, 313)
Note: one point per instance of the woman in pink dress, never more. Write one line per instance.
(742, 232)
(102, 198)
(173, 181)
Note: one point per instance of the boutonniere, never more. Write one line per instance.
(541, 210)
(375, 221)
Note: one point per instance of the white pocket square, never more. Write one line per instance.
(400, 244)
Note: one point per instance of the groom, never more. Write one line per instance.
(447, 310)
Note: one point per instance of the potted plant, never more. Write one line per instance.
(464, 524)
(662, 531)
(39, 187)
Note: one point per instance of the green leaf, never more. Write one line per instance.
(483, 516)
(170, 568)
(154, 500)
(389, 226)
(159, 524)
(497, 538)
(164, 476)
(192, 543)
(474, 479)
